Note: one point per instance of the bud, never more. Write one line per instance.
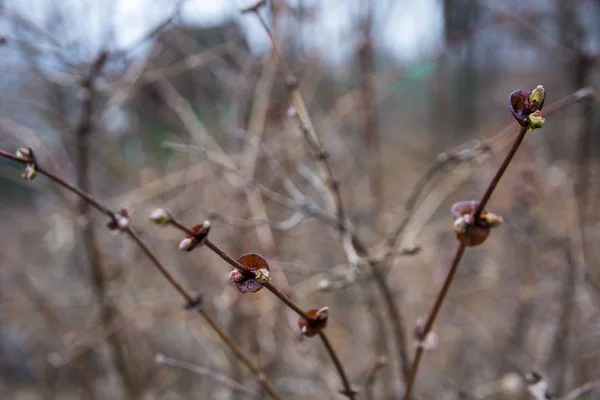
(537, 97)
(256, 264)
(460, 225)
(430, 342)
(236, 276)
(493, 220)
(472, 232)
(536, 120)
(526, 107)
(318, 322)
(24, 152)
(29, 173)
(262, 276)
(160, 216)
(205, 226)
(187, 244)
(123, 222)
(322, 314)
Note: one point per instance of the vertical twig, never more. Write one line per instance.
(456, 261)
(347, 391)
(370, 120)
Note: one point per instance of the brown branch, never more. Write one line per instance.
(492, 186)
(424, 332)
(269, 286)
(108, 308)
(244, 270)
(347, 391)
(193, 303)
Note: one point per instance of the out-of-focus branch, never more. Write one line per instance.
(108, 308)
(205, 372)
(306, 126)
(580, 391)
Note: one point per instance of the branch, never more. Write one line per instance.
(124, 223)
(285, 299)
(422, 333)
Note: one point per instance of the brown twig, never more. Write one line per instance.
(347, 391)
(492, 186)
(193, 303)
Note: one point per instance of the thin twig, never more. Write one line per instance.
(348, 391)
(196, 369)
(306, 126)
(575, 393)
(492, 186)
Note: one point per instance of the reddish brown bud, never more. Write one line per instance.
(318, 321)
(200, 233)
(120, 220)
(523, 105)
(469, 230)
(256, 264)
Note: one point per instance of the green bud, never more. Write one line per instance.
(536, 120)
(493, 220)
(262, 276)
(537, 97)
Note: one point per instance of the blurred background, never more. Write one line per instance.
(180, 104)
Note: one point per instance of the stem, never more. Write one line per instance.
(92, 201)
(396, 320)
(163, 270)
(456, 261)
(490, 190)
(444, 291)
(348, 392)
(432, 316)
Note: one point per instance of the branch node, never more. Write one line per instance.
(195, 303)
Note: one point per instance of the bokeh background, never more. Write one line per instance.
(190, 113)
